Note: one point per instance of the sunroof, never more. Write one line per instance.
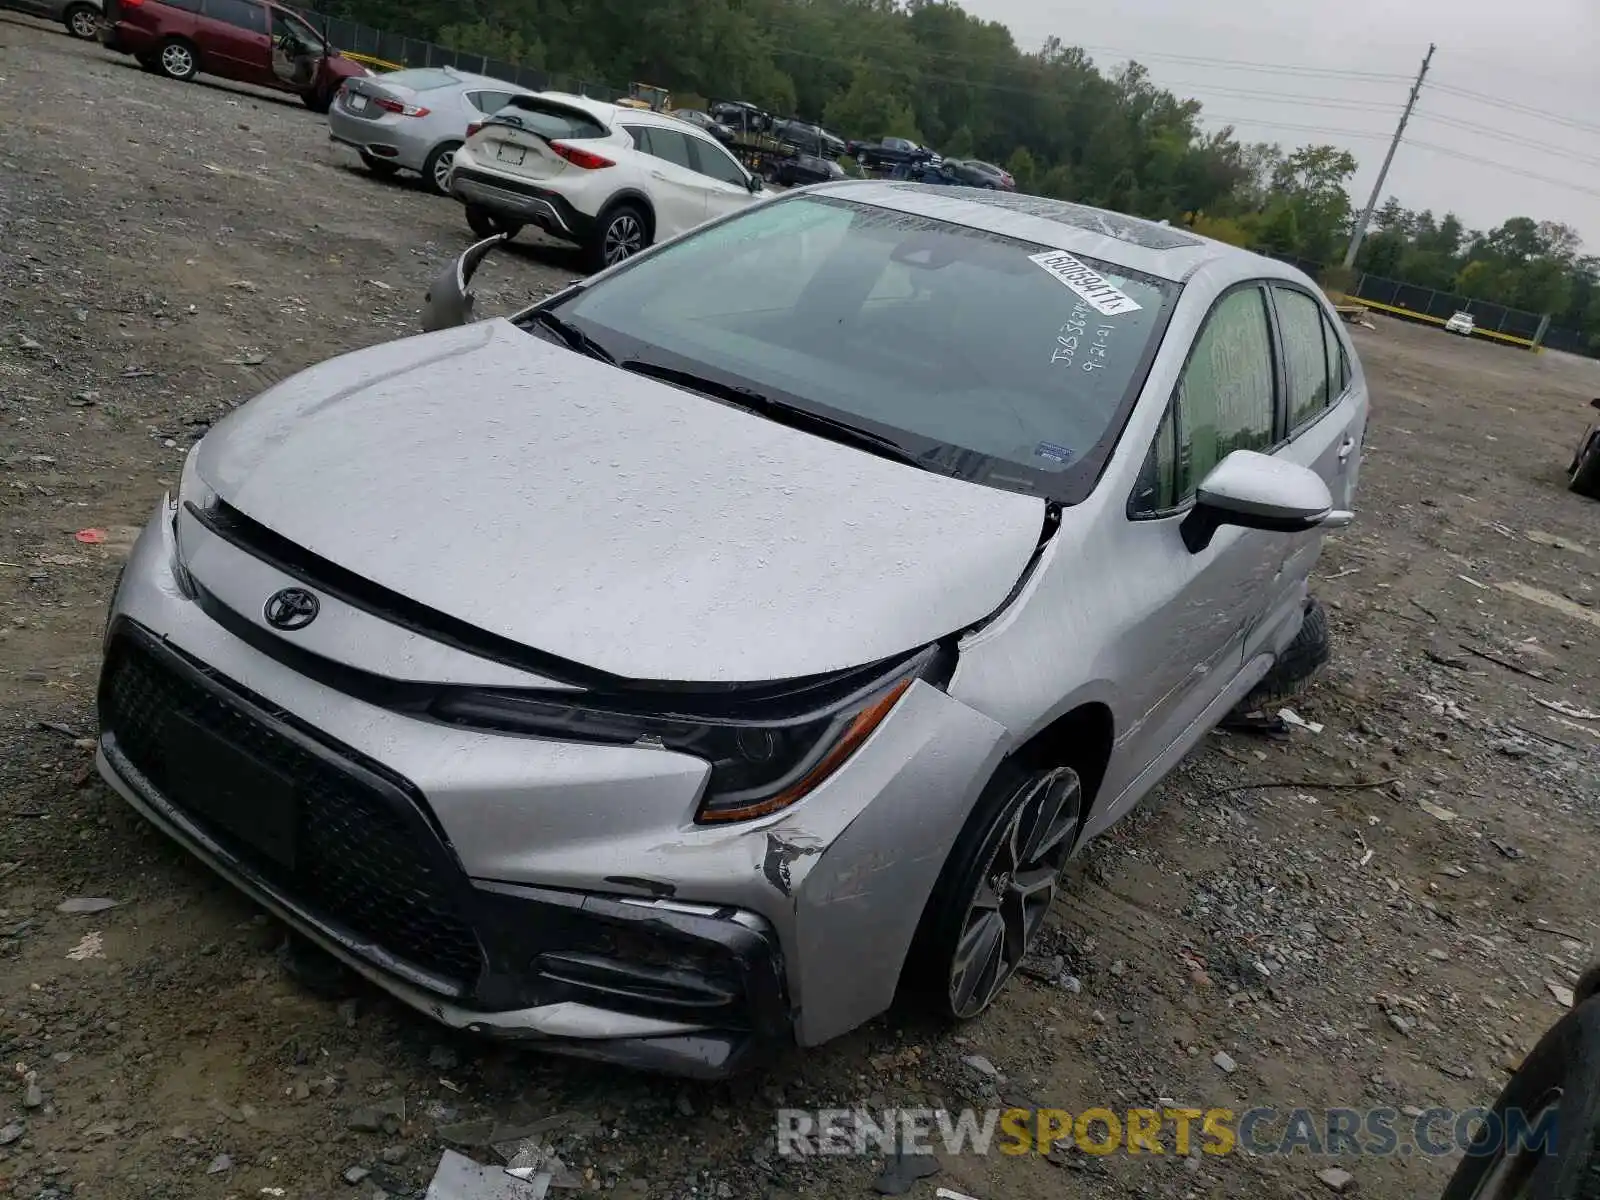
(1108, 224)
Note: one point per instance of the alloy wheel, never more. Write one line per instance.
(84, 24)
(441, 170)
(177, 60)
(624, 238)
(1015, 890)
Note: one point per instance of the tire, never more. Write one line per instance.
(1584, 476)
(1563, 1070)
(621, 232)
(177, 59)
(82, 21)
(317, 102)
(995, 889)
(436, 167)
(1298, 666)
(381, 167)
(484, 223)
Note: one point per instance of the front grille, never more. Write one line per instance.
(359, 861)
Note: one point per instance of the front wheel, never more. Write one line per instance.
(996, 889)
(83, 21)
(619, 235)
(1542, 1138)
(485, 224)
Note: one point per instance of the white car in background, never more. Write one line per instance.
(612, 180)
(1461, 323)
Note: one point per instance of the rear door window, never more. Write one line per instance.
(241, 14)
(671, 146)
(1305, 356)
(710, 160)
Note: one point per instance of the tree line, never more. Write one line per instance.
(1064, 127)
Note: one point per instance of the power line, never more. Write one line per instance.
(1514, 106)
(1513, 138)
(1355, 133)
(1293, 98)
(916, 48)
(1498, 166)
(1238, 65)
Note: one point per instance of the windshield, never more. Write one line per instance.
(996, 360)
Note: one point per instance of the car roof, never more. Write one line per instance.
(1163, 251)
(466, 79)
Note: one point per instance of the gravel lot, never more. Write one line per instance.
(168, 250)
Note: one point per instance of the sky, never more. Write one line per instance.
(1342, 70)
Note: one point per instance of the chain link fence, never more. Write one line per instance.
(417, 52)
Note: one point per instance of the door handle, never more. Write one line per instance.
(1347, 448)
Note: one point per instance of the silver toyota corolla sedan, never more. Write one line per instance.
(415, 120)
(690, 663)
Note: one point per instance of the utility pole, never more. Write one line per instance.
(1360, 230)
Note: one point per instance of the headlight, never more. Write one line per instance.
(766, 750)
(191, 490)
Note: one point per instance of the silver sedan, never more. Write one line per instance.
(415, 120)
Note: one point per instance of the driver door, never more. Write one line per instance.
(296, 50)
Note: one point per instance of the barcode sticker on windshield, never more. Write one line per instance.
(1097, 293)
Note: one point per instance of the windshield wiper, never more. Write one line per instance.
(574, 337)
(792, 415)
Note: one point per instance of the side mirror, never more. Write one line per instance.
(449, 301)
(1257, 491)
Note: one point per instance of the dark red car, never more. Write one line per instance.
(250, 41)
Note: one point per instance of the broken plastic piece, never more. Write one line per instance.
(91, 537)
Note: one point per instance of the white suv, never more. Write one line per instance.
(611, 179)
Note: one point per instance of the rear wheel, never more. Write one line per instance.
(436, 170)
(176, 60)
(1298, 666)
(83, 21)
(381, 167)
(619, 234)
(1584, 477)
(484, 223)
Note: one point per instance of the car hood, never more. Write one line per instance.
(611, 519)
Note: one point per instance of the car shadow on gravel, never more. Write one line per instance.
(226, 87)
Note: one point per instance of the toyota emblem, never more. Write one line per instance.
(291, 609)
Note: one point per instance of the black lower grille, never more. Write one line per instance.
(360, 860)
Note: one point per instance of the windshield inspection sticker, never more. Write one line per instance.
(1097, 293)
(1055, 453)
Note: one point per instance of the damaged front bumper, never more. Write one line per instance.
(520, 887)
